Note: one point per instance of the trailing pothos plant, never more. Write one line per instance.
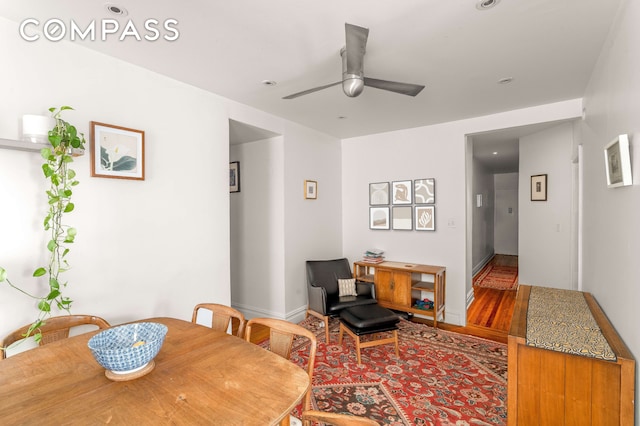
(64, 138)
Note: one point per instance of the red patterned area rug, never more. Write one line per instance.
(441, 378)
(501, 277)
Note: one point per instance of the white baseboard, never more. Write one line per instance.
(482, 264)
(470, 297)
(252, 312)
(452, 318)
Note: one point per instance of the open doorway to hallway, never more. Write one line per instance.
(495, 289)
(542, 233)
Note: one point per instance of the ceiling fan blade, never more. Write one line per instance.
(356, 43)
(315, 89)
(394, 86)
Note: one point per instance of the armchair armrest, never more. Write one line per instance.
(364, 288)
(317, 299)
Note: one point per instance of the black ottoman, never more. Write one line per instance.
(369, 319)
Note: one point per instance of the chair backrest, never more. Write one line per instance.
(53, 329)
(335, 419)
(281, 335)
(221, 317)
(325, 273)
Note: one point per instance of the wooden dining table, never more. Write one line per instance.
(201, 376)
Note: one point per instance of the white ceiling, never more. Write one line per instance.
(458, 52)
(549, 48)
(499, 150)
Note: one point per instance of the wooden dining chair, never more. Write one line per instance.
(53, 329)
(335, 419)
(281, 335)
(221, 317)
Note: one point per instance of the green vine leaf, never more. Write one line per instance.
(57, 158)
(44, 306)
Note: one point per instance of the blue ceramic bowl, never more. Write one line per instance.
(128, 348)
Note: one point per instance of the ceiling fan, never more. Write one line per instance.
(353, 79)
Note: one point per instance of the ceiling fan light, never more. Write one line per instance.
(352, 85)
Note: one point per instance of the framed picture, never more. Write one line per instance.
(310, 189)
(617, 162)
(234, 176)
(402, 218)
(378, 217)
(539, 188)
(425, 218)
(378, 193)
(116, 152)
(424, 191)
(402, 192)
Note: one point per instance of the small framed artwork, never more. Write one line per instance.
(234, 176)
(424, 191)
(539, 188)
(402, 192)
(425, 218)
(378, 217)
(116, 152)
(617, 162)
(379, 193)
(310, 189)
(402, 218)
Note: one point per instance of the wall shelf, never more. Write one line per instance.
(22, 145)
(31, 146)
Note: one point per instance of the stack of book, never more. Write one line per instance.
(373, 256)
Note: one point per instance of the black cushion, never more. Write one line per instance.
(366, 319)
(336, 304)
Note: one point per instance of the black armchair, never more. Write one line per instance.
(322, 288)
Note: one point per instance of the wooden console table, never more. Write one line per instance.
(566, 363)
(400, 285)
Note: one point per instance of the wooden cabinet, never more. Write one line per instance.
(560, 387)
(399, 286)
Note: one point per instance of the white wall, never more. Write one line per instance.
(274, 229)
(313, 228)
(611, 270)
(506, 213)
(438, 151)
(544, 244)
(144, 248)
(257, 226)
(482, 221)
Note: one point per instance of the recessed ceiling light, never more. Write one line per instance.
(505, 80)
(486, 4)
(116, 10)
(495, 152)
(269, 82)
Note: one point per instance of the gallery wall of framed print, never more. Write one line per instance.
(402, 191)
(379, 193)
(425, 218)
(310, 189)
(617, 162)
(539, 188)
(402, 218)
(424, 191)
(378, 217)
(116, 152)
(234, 176)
